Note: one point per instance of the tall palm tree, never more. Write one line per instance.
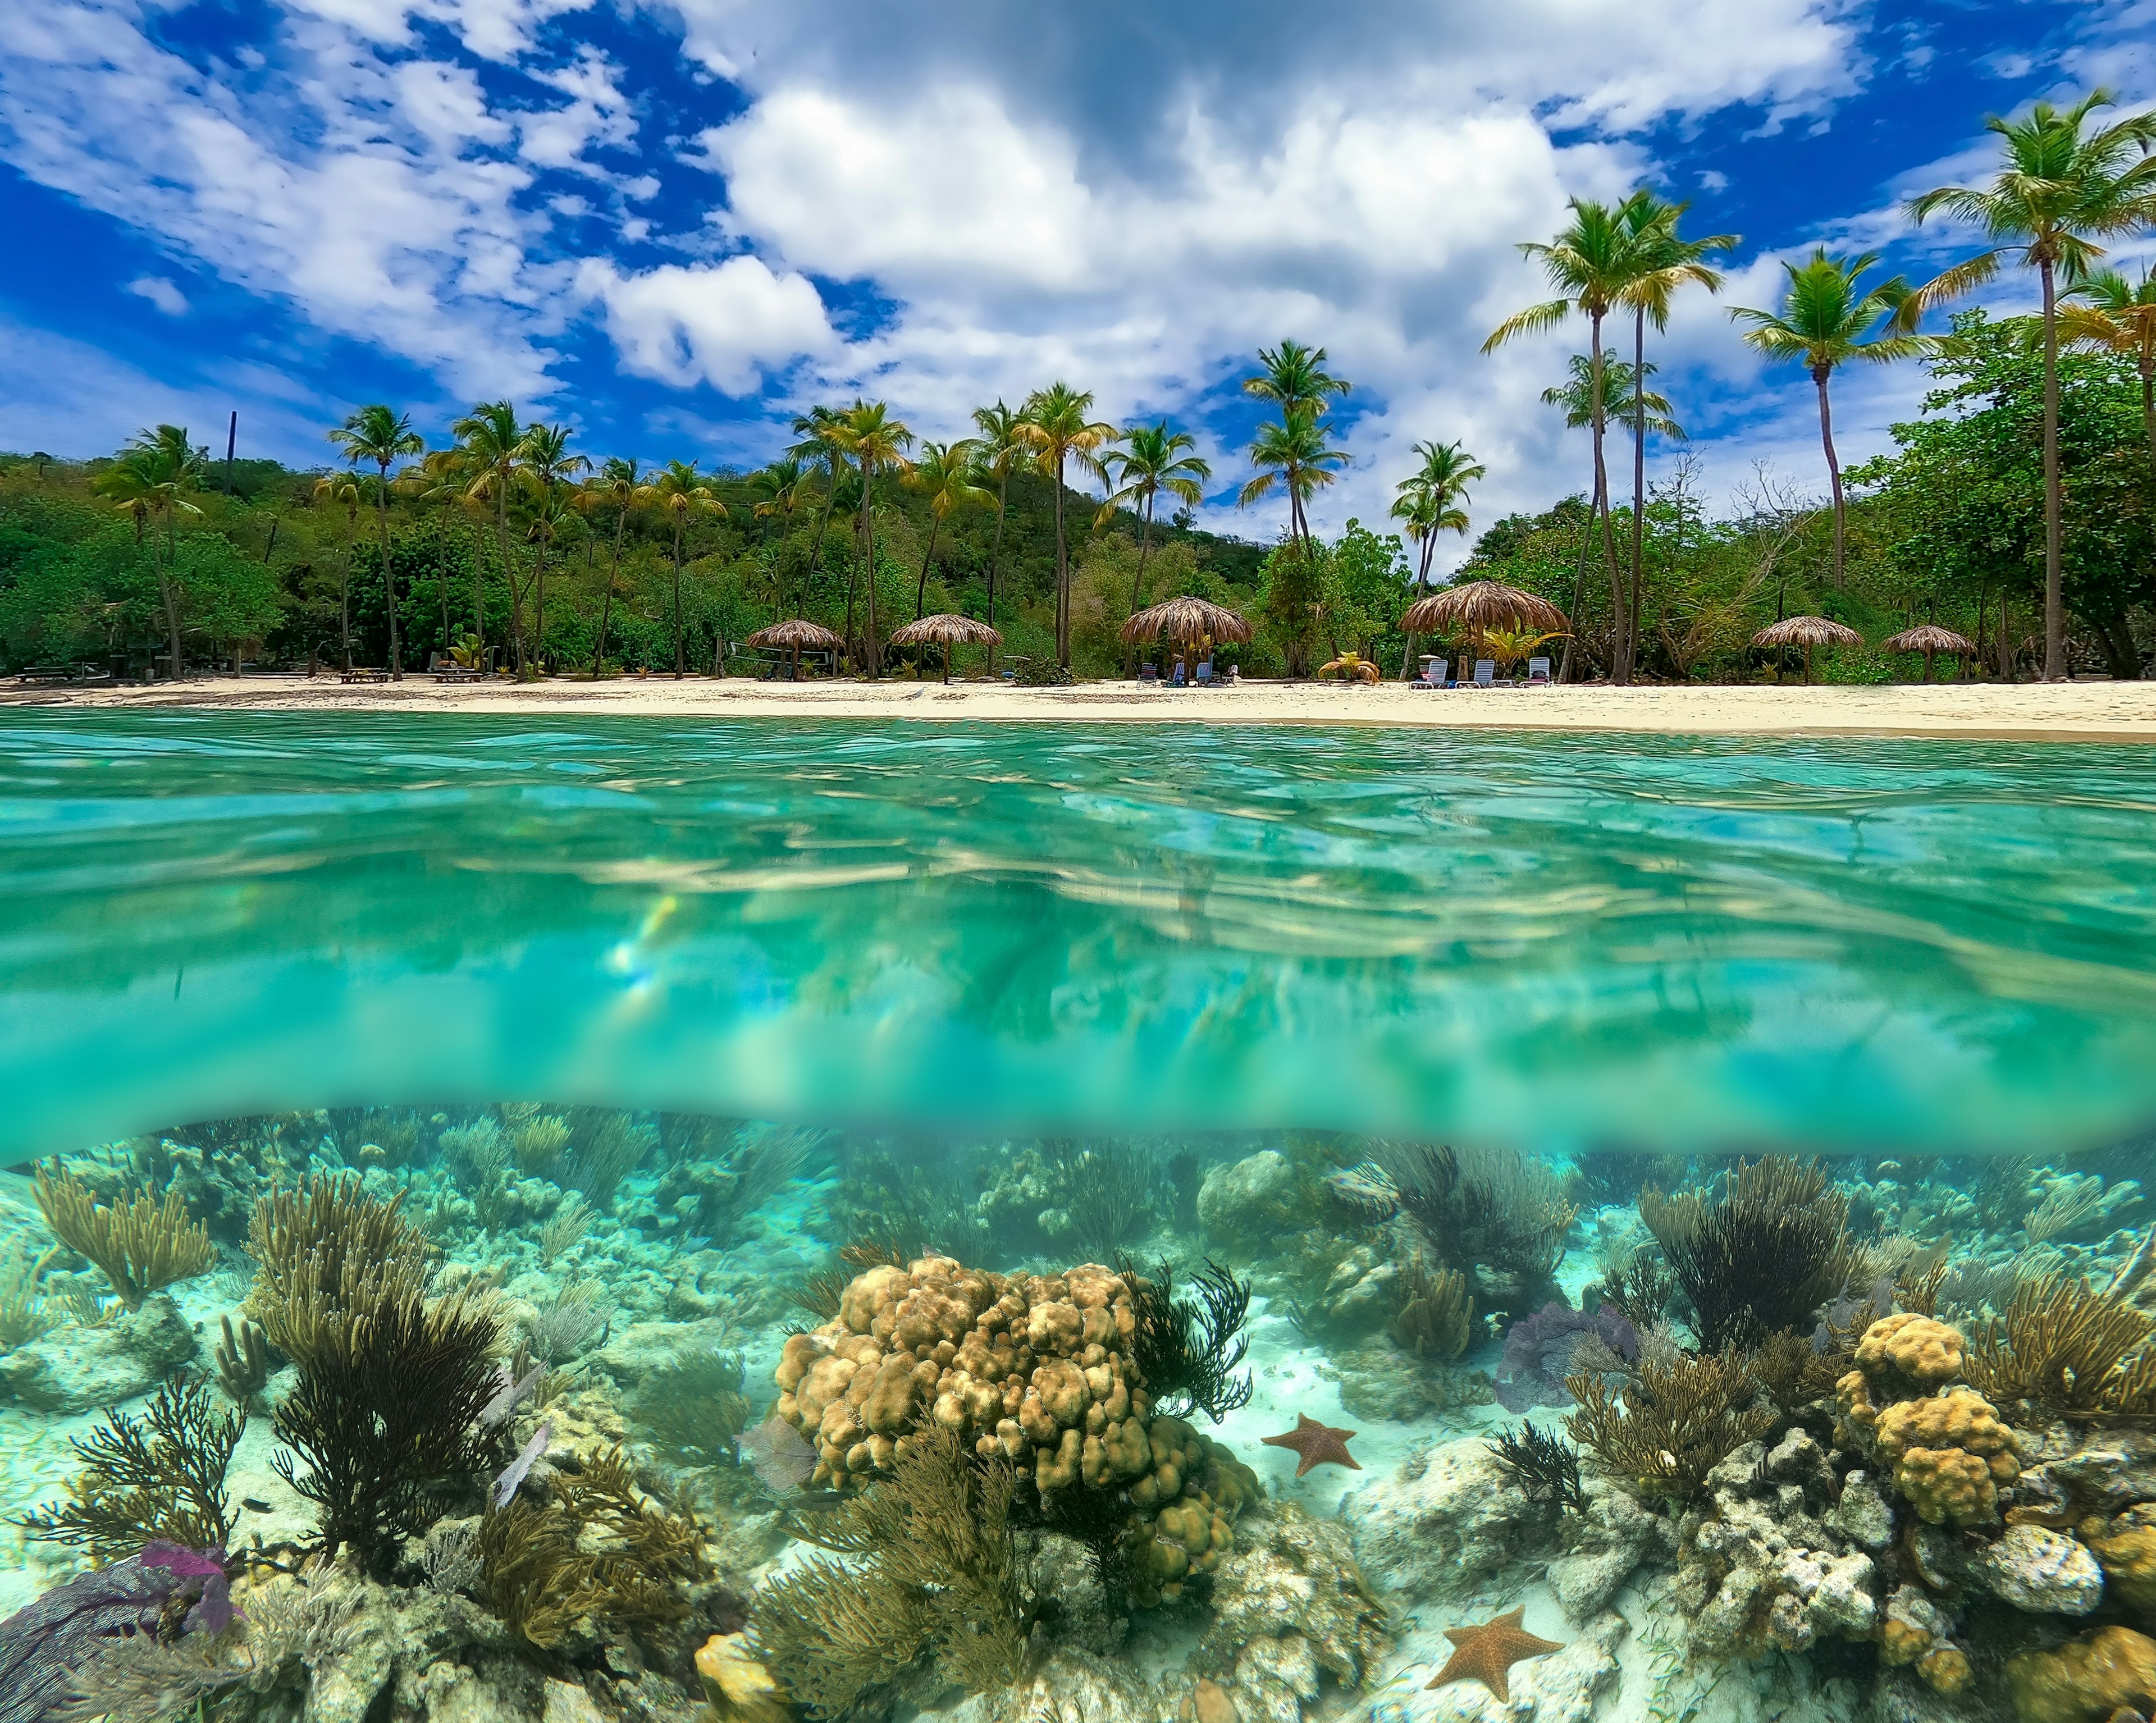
(948, 475)
(1827, 319)
(1664, 264)
(1054, 423)
(782, 490)
(493, 450)
(1429, 501)
(876, 442)
(679, 489)
(1003, 448)
(381, 435)
(548, 467)
(2119, 317)
(818, 430)
(150, 483)
(1296, 456)
(2060, 189)
(438, 478)
(1295, 376)
(615, 485)
(342, 491)
(1576, 396)
(1152, 459)
(1590, 262)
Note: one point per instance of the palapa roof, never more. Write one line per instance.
(1186, 619)
(1930, 637)
(788, 635)
(1481, 604)
(947, 630)
(1807, 631)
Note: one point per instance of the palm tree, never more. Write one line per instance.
(1665, 263)
(344, 492)
(384, 436)
(2119, 317)
(1297, 453)
(437, 479)
(493, 450)
(876, 442)
(1153, 459)
(678, 489)
(1576, 396)
(150, 483)
(1295, 376)
(1823, 322)
(1430, 501)
(818, 429)
(1054, 423)
(781, 490)
(948, 475)
(1590, 262)
(616, 485)
(1003, 447)
(548, 465)
(2058, 191)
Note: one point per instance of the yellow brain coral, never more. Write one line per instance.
(1918, 1348)
(2128, 1557)
(1950, 1455)
(2085, 1681)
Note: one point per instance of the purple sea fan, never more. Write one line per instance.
(214, 1614)
(1538, 1353)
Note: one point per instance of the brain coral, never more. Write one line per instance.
(1950, 1455)
(1917, 1349)
(2086, 1680)
(1036, 1369)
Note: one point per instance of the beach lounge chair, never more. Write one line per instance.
(1177, 680)
(1433, 674)
(1148, 675)
(1205, 673)
(1485, 673)
(1538, 675)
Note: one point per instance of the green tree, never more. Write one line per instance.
(616, 485)
(946, 475)
(819, 431)
(2060, 188)
(679, 489)
(1622, 399)
(1429, 501)
(2115, 316)
(1152, 459)
(381, 435)
(150, 483)
(1828, 320)
(549, 468)
(1592, 263)
(492, 456)
(1054, 423)
(1366, 587)
(342, 491)
(1295, 455)
(782, 490)
(1003, 447)
(876, 442)
(1293, 376)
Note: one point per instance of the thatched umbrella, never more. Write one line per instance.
(947, 631)
(796, 636)
(1931, 640)
(1807, 632)
(1481, 605)
(1186, 623)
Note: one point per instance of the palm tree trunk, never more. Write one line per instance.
(679, 661)
(816, 555)
(2148, 414)
(1137, 581)
(1638, 477)
(921, 594)
(508, 573)
(995, 555)
(1821, 374)
(868, 531)
(1620, 668)
(1579, 594)
(1422, 583)
(606, 604)
(2054, 615)
(388, 575)
(539, 608)
(1062, 576)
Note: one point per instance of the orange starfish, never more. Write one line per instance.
(1486, 1652)
(1314, 1444)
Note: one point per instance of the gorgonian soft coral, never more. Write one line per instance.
(1539, 1349)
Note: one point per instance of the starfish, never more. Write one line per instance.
(1316, 1445)
(1486, 1652)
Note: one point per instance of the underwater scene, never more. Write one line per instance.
(750, 1224)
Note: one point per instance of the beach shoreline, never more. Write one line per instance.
(2083, 711)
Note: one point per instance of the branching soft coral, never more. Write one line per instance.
(1671, 1423)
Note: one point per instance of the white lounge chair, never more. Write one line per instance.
(1485, 673)
(1538, 673)
(1433, 671)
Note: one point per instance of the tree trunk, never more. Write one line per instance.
(606, 604)
(2148, 414)
(680, 648)
(868, 534)
(388, 575)
(1638, 481)
(1422, 585)
(1062, 576)
(1821, 374)
(921, 594)
(2121, 657)
(1137, 581)
(1620, 668)
(995, 555)
(2005, 643)
(344, 610)
(2055, 612)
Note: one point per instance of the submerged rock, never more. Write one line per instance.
(88, 1369)
(1611, 1539)
(1248, 1201)
(1443, 1522)
(1564, 1687)
(2043, 1571)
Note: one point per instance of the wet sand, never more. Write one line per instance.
(2070, 711)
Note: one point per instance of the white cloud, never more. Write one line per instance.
(160, 293)
(724, 324)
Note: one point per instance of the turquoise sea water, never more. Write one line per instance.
(1549, 941)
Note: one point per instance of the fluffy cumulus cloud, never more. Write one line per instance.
(749, 206)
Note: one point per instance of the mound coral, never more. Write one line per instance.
(2087, 1681)
(1918, 1348)
(1950, 1450)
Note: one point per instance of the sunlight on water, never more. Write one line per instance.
(1553, 941)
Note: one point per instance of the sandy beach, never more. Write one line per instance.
(2071, 711)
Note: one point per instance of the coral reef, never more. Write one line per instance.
(158, 1479)
(2063, 1346)
(1541, 1351)
(141, 1244)
(1491, 1211)
(1433, 1314)
(1670, 1424)
(2096, 1677)
(1542, 1467)
(1187, 1352)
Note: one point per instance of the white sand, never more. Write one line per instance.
(2069, 711)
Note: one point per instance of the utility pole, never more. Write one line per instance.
(231, 443)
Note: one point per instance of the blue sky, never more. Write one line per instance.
(673, 222)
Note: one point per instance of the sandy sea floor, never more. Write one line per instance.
(2070, 711)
